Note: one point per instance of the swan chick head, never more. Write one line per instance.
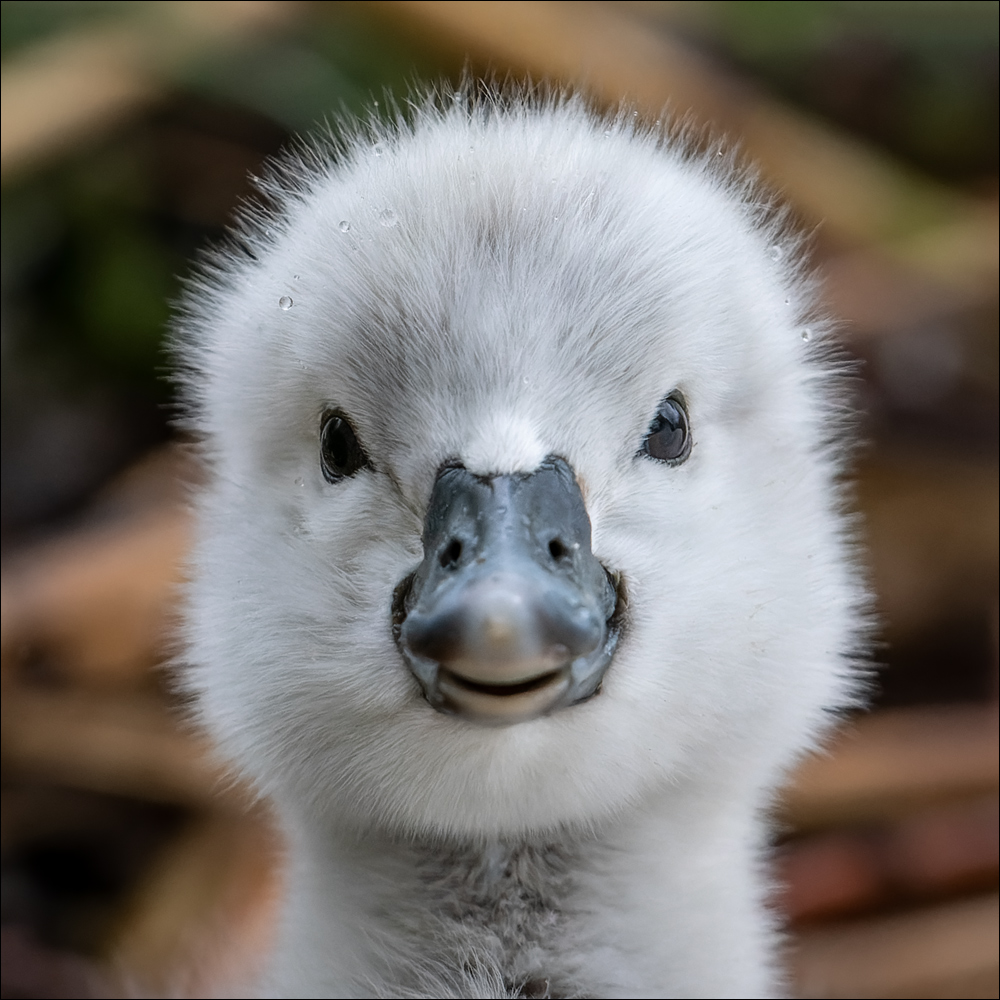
(511, 421)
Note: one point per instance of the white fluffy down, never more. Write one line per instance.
(497, 281)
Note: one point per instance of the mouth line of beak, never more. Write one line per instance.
(503, 690)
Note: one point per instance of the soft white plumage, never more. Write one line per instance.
(495, 283)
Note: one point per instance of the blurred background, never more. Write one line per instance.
(130, 132)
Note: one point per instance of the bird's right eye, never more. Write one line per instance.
(341, 454)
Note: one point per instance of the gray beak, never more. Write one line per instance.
(510, 615)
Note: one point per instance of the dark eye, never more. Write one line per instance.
(341, 452)
(669, 437)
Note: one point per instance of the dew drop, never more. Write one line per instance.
(378, 149)
(300, 482)
(788, 302)
(776, 253)
(807, 334)
(344, 226)
(285, 302)
(457, 97)
(388, 218)
(607, 133)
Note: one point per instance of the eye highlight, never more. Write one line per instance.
(341, 454)
(669, 436)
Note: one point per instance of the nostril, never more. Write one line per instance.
(557, 550)
(452, 553)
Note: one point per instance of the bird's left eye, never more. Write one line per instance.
(669, 436)
(341, 454)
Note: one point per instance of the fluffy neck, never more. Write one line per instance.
(647, 902)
